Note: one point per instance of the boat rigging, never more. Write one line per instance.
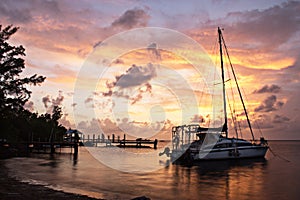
(190, 141)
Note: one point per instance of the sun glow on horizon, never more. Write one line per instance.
(262, 39)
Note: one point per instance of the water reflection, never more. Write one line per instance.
(203, 180)
(75, 159)
(234, 179)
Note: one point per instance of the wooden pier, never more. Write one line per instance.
(51, 146)
(137, 143)
(113, 141)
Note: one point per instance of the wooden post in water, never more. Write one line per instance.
(52, 149)
(103, 138)
(75, 149)
(76, 140)
(113, 138)
(124, 140)
(108, 140)
(155, 143)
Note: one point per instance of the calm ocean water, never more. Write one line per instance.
(270, 178)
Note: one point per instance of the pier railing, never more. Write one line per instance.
(117, 141)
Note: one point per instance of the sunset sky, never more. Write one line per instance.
(141, 90)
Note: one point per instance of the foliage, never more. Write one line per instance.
(16, 123)
(56, 114)
(13, 87)
(29, 126)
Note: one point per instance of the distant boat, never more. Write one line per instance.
(214, 143)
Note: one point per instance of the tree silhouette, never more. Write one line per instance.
(13, 88)
(16, 123)
(56, 114)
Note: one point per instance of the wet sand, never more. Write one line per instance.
(13, 189)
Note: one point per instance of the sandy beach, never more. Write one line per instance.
(13, 189)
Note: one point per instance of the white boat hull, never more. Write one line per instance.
(218, 147)
(231, 153)
(222, 154)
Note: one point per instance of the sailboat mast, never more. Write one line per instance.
(223, 82)
(238, 88)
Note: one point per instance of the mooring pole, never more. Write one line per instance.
(155, 143)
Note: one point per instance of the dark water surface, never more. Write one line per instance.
(270, 178)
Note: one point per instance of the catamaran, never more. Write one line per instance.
(193, 142)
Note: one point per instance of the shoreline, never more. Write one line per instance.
(11, 188)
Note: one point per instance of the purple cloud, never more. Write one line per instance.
(269, 104)
(132, 18)
(135, 76)
(29, 105)
(49, 102)
(268, 89)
